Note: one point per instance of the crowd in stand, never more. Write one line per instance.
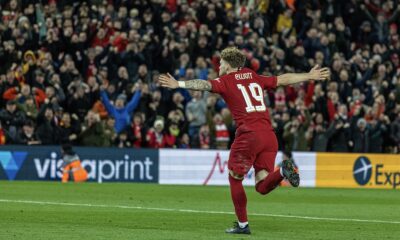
(86, 72)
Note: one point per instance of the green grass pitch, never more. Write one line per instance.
(51, 210)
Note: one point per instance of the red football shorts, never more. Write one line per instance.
(256, 149)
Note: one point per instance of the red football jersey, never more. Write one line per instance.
(243, 92)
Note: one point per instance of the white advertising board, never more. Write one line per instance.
(209, 167)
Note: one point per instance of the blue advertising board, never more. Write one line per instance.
(102, 164)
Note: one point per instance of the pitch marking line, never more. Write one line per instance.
(196, 211)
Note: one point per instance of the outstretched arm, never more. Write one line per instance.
(104, 99)
(133, 103)
(394, 15)
(168, 81)
(367, 13)
(316, 73)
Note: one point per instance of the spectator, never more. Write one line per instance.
(381, 24)
(318, 135)
(58, 113)
(70, 128)
(77, 48)
(29, 108)
(173, 133)
(339, 135)
(138, 132)
(204, 138)
(142, 74)
(285, 22)
(11, 119)
(28, 134)
(184, 142)
(110, 136)
(120, 112)
(295, 132)
(99, 108)
(395, 132)
(122, 140)
(377, 133)
(196, 112)
(79, 103)
(122, 81)
(55, 95)
(92, 131)
(157, 138)
(48, 130)
(156, 107)
(221, 132)
(360, 138)
(24, 94)
(294, 136)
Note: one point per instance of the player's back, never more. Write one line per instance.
(243, 91)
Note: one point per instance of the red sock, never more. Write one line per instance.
(269, 183)
(239, 198)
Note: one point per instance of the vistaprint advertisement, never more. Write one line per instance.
(102, 164)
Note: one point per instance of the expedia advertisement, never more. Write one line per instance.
(102, 164)
(358, 170)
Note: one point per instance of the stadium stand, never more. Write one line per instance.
(61, 61)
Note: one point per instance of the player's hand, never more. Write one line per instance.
(168, 81)
(317, 73)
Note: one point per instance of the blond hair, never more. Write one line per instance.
(234, 57)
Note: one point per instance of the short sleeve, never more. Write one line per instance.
(268, 82)
(217, 85)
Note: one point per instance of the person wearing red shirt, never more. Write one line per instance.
(158, 138)
(137, 131)
(255, 144)
(221, 132)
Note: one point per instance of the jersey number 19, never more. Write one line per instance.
(256, 93)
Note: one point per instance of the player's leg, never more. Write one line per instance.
(240, 161)
(267, 179)
(239, 200)
(238, 195)
(266, 182)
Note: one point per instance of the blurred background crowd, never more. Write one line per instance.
(86, 72)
